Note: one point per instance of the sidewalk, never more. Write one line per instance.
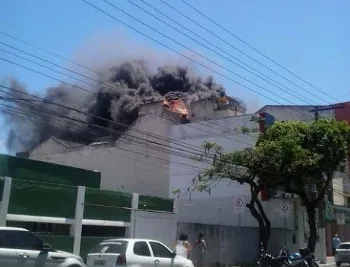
(330, 262)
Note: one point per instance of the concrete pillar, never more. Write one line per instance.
(175, 205)
(5, 200)
(134, 208)
(79, 214)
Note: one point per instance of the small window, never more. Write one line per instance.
(141, 249)
(20, 240)
(344, 246)
(115, 247)
(160, 251)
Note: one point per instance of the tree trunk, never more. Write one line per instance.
(267, 232)
(311, 215)
(263, 221)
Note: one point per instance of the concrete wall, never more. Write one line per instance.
(208, 110)
(133, 165)
(228, 246)
(220, 211)
(52, 145)
(159, 226)
(294, 113)
(225, 132)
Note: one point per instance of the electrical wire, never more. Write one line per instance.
(109, 130)
(280, 86)
(118, 147)
(195, 52)
(244, 137)
(177, 52)
(242, 52)
(101, 118)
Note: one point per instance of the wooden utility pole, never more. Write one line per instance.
(322, 204)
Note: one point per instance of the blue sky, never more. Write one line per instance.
(311, 38)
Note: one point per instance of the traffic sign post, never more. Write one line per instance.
(238, 206)
(285, 212)
(340, 218)
(284, 209)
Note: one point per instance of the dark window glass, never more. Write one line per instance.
(115, 247)
(20, 240)
(160, 251)
(344, 246)
(42, 228)
(141, 249)
(105, 231)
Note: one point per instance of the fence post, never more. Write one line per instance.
(134, 207)
(5, 200)
(78, 223)
(175, 206)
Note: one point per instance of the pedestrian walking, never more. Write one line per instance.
(198, 251)
(335, 243)
(183, 247)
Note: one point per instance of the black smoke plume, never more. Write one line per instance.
(117, 96)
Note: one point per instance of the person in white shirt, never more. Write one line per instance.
(183, 247)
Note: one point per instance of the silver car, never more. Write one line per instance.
(342, 253)
(19, 247)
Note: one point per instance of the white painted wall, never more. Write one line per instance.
(220, 211)
(129, 167)
(225, 132)
(159, 226)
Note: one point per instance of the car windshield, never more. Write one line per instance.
(344, 246)
(118, 247)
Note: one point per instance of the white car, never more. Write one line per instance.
(21, 248)
(134, 253)
(342, 253)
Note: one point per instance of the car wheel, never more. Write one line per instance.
(338, 264)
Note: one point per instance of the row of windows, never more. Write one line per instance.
(57, 229)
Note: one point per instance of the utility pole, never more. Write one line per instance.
(322, 204)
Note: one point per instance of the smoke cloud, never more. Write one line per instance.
(120, 91)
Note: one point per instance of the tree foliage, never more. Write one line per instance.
(297, 155)
(308, 158)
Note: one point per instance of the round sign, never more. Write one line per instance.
(340, 216)
(284, 207)
(239, 202)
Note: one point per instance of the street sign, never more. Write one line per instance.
(284, 209)
(238, 205)
(340, 218)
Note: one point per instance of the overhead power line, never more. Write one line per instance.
(198, 54)
(183, 55)
(111, 121)
(246, 67)
(77, 73)
(113, 145)
(41, 109)
(251, 47)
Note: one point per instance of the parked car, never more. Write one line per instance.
(135, 253)
(342, 253)
(19, 247)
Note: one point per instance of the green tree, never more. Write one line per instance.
(308, 159)
(250, 167)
